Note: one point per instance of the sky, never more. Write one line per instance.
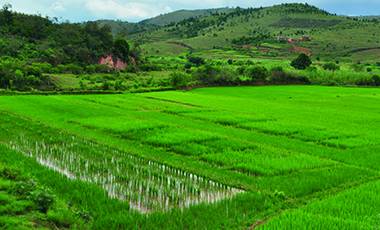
(137, 10)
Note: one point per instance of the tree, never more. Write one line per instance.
(121, 49)
(301, 62)
(376, 80)
(6, 15)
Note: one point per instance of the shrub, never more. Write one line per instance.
(119, 85)
(257, 73)
(70, 68)
(23, 189)
(301, 62)
(279, 76)
(150, 67)
(179, 79)
(43, 200)
(198, 61)
(106, 85)
(74, 69)
(10, 174)
(210, 75)
(33, 70)
(188, 66)
(331, 66)
(357, 67)
(44, 67)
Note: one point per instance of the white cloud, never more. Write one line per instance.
(124, 10)
(58, 6)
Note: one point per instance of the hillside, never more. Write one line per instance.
(276, 31)
(180, 15)
(123, 28)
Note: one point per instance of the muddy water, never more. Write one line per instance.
(147, 186)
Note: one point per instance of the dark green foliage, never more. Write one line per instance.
(70, 68)
(180, 80)
(331, 66)
(6, 17)
(197, 61)
(31, 36)
(279, 76)
(376, 80)
(10, 174)
(121, 49)
(373, 81)
(211, 75)
(301, 62)
(24, 188)
(257, 73)
(43, 200)
(18, 75)
(305, 23)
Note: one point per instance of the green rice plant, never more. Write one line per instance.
(146, 185)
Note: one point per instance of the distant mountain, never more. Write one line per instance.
(129, 29)
(125, 28)
(371, 17)
(180, 15)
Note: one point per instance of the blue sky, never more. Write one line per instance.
(136, 10)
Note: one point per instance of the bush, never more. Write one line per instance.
(44, 67)
(301, 62)
(376, 80)
(257, 73)
(188, 66)
(106, 85)
(198, 61)
(279, 76)
(10, 174)
(331, 66)
(119, 85)
(210, 75)
(70, 68)
(43, 200)
(180, 80)
(33, 70)
(24, 189)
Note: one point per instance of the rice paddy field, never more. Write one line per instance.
(276, 157)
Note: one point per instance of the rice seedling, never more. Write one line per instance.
(215, 157)
(147, 186)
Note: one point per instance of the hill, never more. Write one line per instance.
(276, 31)
(126, 28)
(180, 15)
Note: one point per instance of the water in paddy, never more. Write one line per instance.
(147, 186)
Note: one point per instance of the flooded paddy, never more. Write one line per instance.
(146, 185)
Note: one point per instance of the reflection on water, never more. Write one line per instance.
(147, 186)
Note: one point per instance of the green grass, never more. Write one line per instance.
(285, 146)
(19, 209)
(356, 208)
